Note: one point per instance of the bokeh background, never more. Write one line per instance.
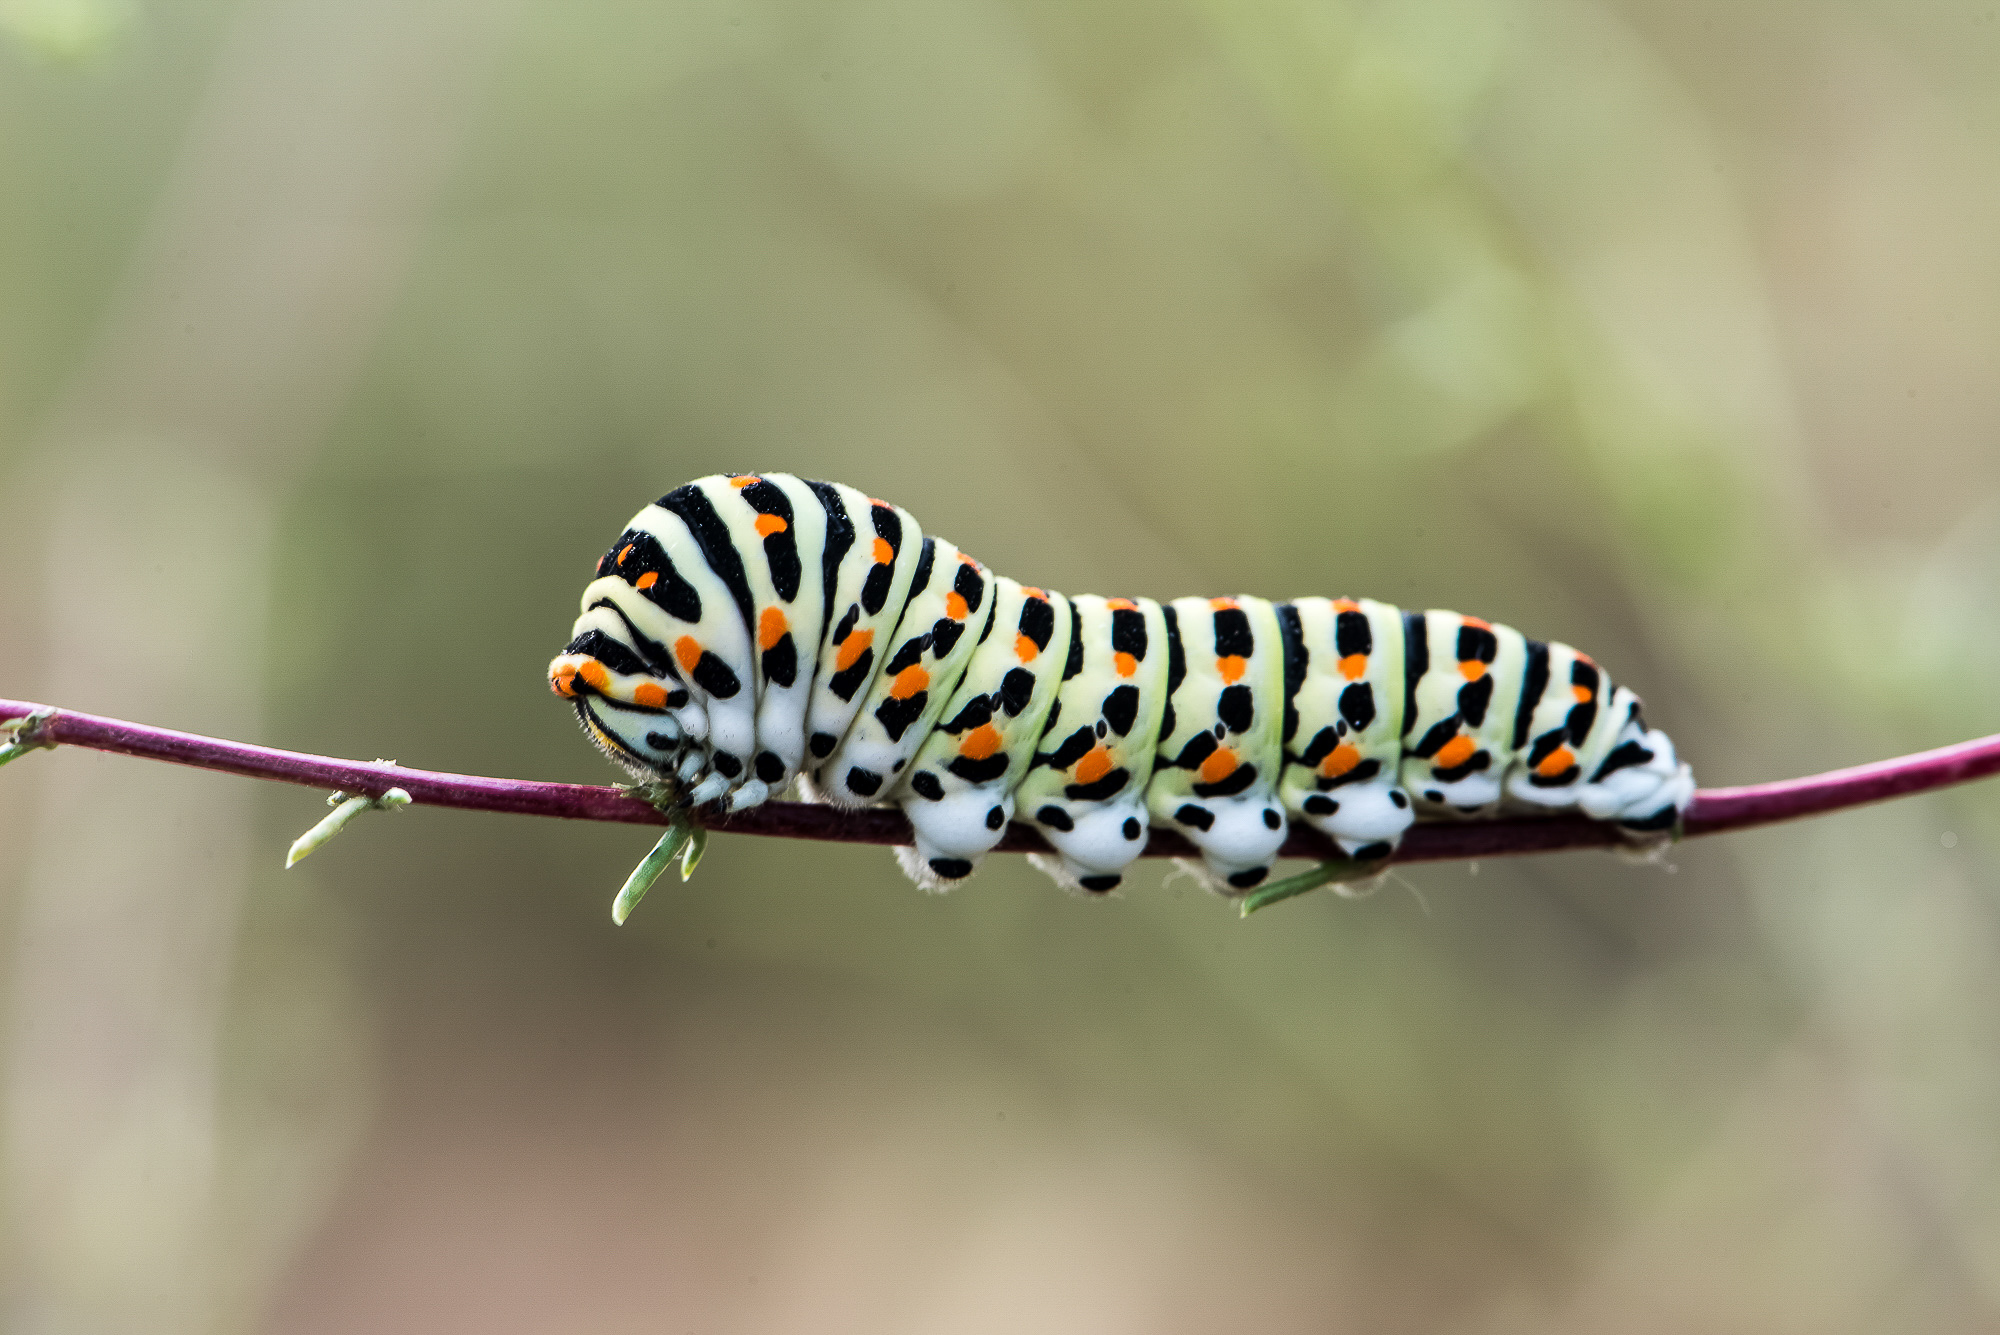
(338, 336)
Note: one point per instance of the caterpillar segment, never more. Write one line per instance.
(751, 631)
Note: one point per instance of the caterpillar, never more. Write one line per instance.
(751, 630)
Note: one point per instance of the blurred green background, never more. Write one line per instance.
(338, 336)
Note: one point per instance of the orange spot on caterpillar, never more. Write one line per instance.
(1024, 649)
(1352, 666)
(624, 552)
(1346, 605)
(769, 524)
(1454, 752)
(1556, 762)
(954, 606)
(1124, 664)
(687, 652)
(851, 649)
(1472, 669)
(1230, 667)
(1219, 766)
(647, 580)
(594, 675)
(742, 480)
(1121, 604)
(1582, 694)
(980, 743)
(1476, 623)
(771, 628)
(1221, 604)
(884, 553)
(1096, 763)
(908, 682)
(1040, 595)
(650, 695)
(562, 681)
(1340, 760)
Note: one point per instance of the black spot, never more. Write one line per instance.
(1626, 754)
(781, 549)
(781, 661)
(1073, 748)
(1235, 709)
(896, 716)
(1532, 687)
(1370, 852)
(863, 781)
(995, 817)
(925, 784)
(951, 869)
(1074, 663)
(1398, 798)
(1583, 715)
(659, 741)
(1199, 748)
(1357, 705)
(1472, 810)
(1545, 746)
(1353, 635)
(1195, 817)
(977, 711)
(969, 586)
(1319, 805)
(1320, 747)
(713, 675)
(618, 657)
(1098, 885)
(769, 767)
(1291, 633)
(909, 653)
(670, 592)
(1106, 787)
(1131, 829)
(944, 635)
(1128, 631)
(1017, 688)
(1433, 741)
(1121, 709)
(1102, 727)
(1232, 633)
(1477, 644)
(1473, 698)
(1663, 819)
(1055, 818)
(1168, 721)
(717, 543)
(1272, 820)
(875, 589)
(845, 683)
(839, 537)
(822, 744)
(1038, 621)
(1236, 781)
(1244, 880)
(1176, 657)
(1433, 795)
(1416, 662)
(726, 765)
(979, 771)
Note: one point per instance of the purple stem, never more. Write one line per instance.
(1715, 810)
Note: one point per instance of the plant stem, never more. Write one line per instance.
(1715, 810)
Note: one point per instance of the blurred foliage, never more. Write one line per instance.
(1670, 330)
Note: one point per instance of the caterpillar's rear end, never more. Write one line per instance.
(752, 631)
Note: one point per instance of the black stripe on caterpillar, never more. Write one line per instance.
(751, 630)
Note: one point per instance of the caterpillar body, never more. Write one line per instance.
(751, 630)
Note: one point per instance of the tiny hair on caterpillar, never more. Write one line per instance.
(749, 632)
